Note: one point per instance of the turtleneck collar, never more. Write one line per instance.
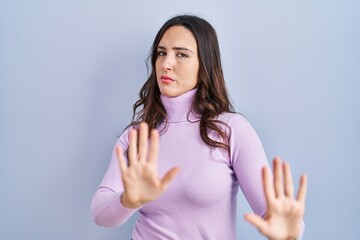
(178, 108)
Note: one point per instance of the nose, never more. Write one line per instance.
(168, 62)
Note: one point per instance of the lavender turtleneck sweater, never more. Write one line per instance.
(200, 202)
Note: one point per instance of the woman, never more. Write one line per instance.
(184, 179)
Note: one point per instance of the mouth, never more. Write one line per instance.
(166, 79)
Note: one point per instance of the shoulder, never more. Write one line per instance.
(244, 142)
(233, 119)
(123, 139)
(238, 126)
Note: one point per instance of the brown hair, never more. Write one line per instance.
(211, 97)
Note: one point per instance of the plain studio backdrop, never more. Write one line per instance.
(71, 70)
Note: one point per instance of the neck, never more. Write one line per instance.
(179, 109)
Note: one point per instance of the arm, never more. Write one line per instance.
(247, 158)
(250, 165)
(106, 207)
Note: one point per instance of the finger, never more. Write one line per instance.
(278, 177)
(268, 185)
(288, 181)
(257, 222)
(132, 150)
(170, 175)
(121, 159)
(154, 146)
(143, 141)
(301, 195)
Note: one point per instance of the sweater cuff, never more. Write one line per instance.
(119, 208)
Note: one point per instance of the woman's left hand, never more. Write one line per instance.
(284, 215)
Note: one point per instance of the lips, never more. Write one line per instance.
(166, 79)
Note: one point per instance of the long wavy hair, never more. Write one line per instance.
(211, 97)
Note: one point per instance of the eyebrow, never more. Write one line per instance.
(176, 48)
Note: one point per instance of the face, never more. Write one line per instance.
(177, 63)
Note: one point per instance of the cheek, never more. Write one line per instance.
(195, 74)
(156, 66)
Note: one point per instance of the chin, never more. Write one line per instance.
(170, 92)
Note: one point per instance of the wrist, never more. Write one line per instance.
(125, 202)
(290, 238)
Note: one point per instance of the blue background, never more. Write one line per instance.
(71, 70)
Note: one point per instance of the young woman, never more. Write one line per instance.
(184, 178)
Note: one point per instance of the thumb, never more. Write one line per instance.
(257, 222)
(170, 175)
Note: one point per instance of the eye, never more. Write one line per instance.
(182, 55)
(161, 53)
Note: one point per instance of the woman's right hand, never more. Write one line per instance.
(140, 178)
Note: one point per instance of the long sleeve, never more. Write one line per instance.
(206, 186)
(106, 207)
(247, 158)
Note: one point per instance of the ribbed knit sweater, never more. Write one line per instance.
(200, 202)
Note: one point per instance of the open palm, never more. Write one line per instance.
(140, 178)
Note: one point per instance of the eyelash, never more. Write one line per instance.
(181, 55)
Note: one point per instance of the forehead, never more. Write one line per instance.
(178, 36)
